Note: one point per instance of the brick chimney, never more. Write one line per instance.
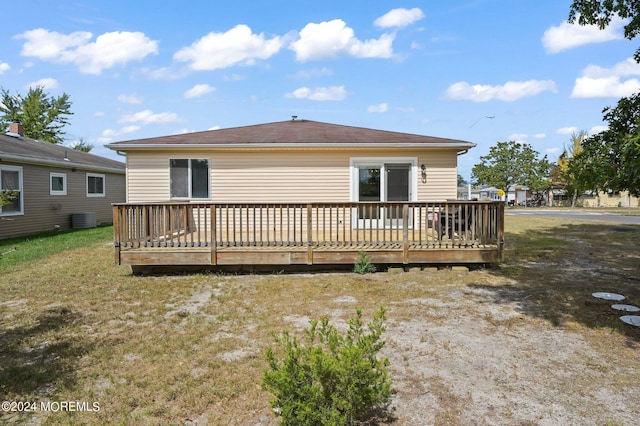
(16, 128)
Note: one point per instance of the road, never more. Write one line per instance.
(575, 214)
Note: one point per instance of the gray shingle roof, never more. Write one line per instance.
(25, 150)
(293, 133)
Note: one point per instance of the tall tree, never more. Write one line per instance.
(42, 117)
(601, 12)
(510, 163)
(82, 146)
(611, 160)
(563, 174)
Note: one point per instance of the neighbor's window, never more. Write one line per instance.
(95, 185)
(57, 184)
(11, 188)
(189, 178)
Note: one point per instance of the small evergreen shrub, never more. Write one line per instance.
(364, 265)
(329, 379)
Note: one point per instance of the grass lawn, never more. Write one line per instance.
(520, 343)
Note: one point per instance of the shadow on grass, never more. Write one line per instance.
(555, 270)
(39, 358)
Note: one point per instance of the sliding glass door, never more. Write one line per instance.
(380, 182)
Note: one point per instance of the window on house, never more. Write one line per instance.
(189, 178)
(11, 188)
(58, 184)
(95, 185)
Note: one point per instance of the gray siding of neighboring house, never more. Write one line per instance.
(45, 212)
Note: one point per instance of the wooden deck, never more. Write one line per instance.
(218, 234)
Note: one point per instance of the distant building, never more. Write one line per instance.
(55, 187)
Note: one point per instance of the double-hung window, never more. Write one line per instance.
(57, 184)
(189, 178)
(95, 185)
(11, 190)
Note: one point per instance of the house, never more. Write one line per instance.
(517, 195)
(608, 199)
(292, 161)
(55, 187)
(249, 186)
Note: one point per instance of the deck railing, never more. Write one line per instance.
(451, 224)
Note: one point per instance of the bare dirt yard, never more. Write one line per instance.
(521, 343)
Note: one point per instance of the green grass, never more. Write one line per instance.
(15, 251)
(188, 348)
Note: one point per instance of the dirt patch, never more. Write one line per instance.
(523, 343)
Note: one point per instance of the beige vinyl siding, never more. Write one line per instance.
(442, 175)
(148, 176)
(283, 175)
(43, 211)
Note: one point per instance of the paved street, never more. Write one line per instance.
(576, 214)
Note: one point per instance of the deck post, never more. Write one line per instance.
(405, 233)
(309, 234)
(501, 231)
(116, 234)
(214, 236)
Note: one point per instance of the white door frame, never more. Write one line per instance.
(380, 162)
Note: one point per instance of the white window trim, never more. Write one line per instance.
(356, 162)
(104, 185)
(189, 178)
(64, 184)
(21, 190)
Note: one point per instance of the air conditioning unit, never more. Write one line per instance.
(83, 220)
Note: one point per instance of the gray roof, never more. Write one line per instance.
(29, 151)
(293, 134)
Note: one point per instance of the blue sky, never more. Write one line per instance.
(136, 69)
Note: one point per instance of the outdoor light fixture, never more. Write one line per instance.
(424, 169)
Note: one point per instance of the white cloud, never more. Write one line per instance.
(332, 39)
(566, 36)
(399, 18)
(234, 77)
(567, 130)
(221, 50)
(130, 99)
(597, 129)
(539, 136)
(198, 90)
(333, 93)
(98, 114)
(599, 82)
(148, 117)
(108, 50)
(312, 73)
(214, 128)
(4, 67)
(108, 134)
(384, 107)
(610, 87)
(45, 83)
(510, 91)
(519, 137)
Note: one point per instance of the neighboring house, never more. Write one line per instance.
(56, 187)
(607, 199)
(517, 194)
(489, 193)
(558, 197)
(292, 161)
